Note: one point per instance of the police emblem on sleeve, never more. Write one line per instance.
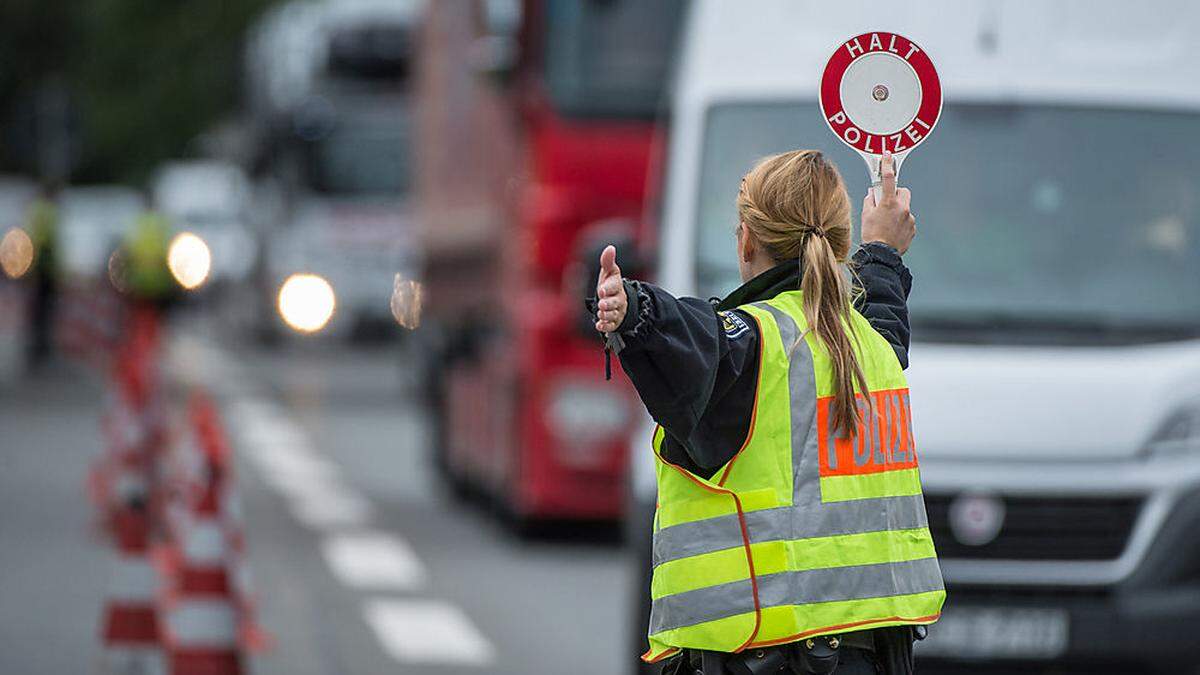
(735, 326)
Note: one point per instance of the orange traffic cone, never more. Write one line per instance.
(203, 621)
(202, 636)
(130, 624)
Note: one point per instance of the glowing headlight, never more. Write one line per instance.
(306, 302)
(189, 259)
(16, 253)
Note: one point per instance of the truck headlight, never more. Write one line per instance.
(306, 302)
(1179, 433)
(585, 414)
(189, 260)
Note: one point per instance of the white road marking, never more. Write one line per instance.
(269, 430)
(373, 560)
(411, 631)
(328, 509)
(294, 461)
(427, 631)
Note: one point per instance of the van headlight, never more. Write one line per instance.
(1179, 433)
(583, 415)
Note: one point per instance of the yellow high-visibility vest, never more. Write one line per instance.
(147, 274)
(802, 533)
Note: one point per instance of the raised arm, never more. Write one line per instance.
(882, 282)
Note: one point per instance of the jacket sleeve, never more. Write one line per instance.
(696, 369)
(882, 284)
(687, 362)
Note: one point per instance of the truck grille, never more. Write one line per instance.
(1043, 528)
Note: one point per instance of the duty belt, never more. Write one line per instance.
(812, 655)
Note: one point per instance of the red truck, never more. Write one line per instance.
(536, 123)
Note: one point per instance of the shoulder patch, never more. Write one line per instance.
(735, 325)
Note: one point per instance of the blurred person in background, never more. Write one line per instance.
(43, 231)
(143, 274)
(790, 533)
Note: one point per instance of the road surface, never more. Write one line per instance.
(360, 562)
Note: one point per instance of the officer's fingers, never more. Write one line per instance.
(610, 287)
(887, 173)
(604, 287)
(618, 301)
(868, 202)
(608, 261)
(903, 197)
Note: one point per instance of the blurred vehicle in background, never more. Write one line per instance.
(211, 199)
(328, 98)
(536, 127)
(16, 193)
(1056, 353)
(92, 222)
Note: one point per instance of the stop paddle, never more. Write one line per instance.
(880, 93)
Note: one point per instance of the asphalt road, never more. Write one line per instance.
(360, 563)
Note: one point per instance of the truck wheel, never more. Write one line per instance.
(517, 520)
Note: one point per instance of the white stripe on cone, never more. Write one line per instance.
(208, 623)
(205, 542)
(134, 580)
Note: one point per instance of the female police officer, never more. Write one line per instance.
(790, 532)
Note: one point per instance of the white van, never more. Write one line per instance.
(1056, 307)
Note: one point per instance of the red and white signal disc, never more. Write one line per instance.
(880, 92)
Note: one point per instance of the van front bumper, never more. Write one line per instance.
(1139, 612)
(1143, 632)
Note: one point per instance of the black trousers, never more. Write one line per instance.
(851, 661)
(893, 655)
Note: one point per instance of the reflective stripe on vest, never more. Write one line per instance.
(801, 533)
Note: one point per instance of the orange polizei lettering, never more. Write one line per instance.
(882, 440)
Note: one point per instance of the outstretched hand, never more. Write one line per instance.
(610, 291)
(890, 221)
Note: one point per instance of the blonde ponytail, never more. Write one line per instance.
(795, 204)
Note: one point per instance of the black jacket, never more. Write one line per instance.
(695, 362)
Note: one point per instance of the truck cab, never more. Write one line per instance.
(536, 130)
(1055, 349)
(330, 105)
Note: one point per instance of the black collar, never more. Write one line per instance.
(783, 277)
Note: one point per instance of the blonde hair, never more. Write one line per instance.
(795, 204)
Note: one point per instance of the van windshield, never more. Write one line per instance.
(1031, 219)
